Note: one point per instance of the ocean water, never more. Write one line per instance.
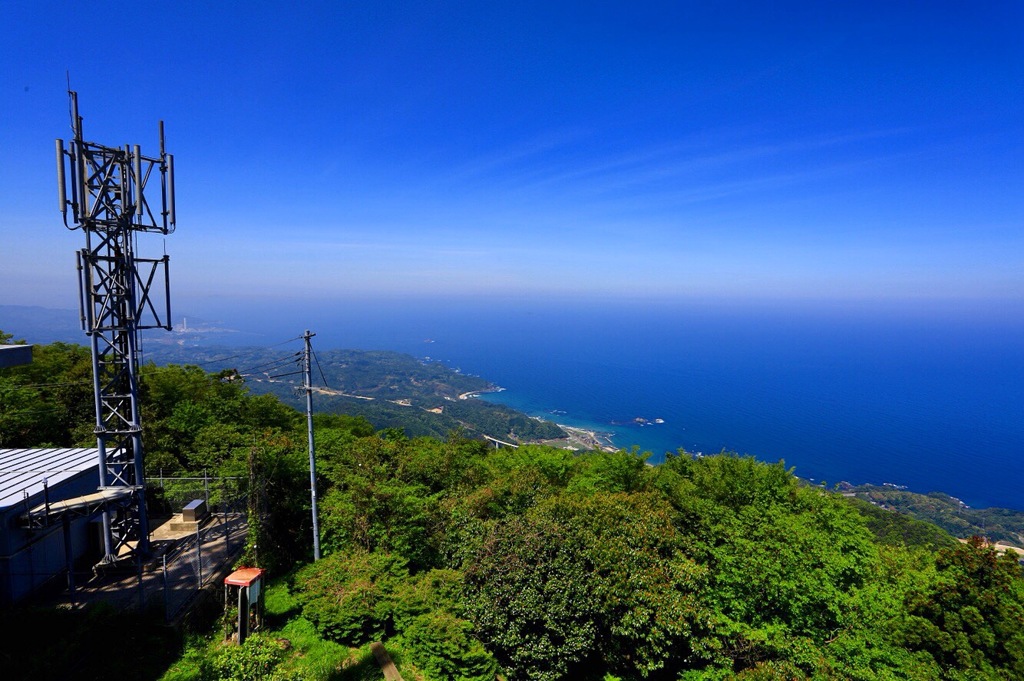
(931, 397)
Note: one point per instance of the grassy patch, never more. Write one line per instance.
(310, 656)
(306, 655)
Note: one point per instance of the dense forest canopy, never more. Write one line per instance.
(543, 563)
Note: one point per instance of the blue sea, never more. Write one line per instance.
(930, 396)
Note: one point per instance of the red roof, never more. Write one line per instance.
(244, 576)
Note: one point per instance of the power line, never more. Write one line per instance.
(317, 360)
(290, 373)
(267, 367)
(249, 352)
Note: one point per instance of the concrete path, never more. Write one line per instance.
(384, 660)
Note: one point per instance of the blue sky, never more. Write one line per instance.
(685, 150)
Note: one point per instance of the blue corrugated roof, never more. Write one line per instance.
(23, 470)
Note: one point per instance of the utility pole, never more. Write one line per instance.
(113, 200)
(308, 386)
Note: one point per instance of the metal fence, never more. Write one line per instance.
(221, 494)
(195, 562)
(183, 563)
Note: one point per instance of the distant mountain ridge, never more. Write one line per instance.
(42, 324)
(390, 389)
(949, 513)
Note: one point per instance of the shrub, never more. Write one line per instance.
(443, 645)
(350, 598)
(257, 658)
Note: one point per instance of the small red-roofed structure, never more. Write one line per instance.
(244, 576)
(248, 583)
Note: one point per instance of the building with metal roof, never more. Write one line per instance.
(45, 515)
(15, 355)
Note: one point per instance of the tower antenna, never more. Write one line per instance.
(120, 294)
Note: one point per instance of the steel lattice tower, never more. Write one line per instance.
(119, 294)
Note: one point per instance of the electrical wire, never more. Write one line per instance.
(243, 354)
(267, 367)
(317, 360)
(291, 373)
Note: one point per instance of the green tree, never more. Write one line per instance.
(444, 646)
(584, 583)
(20, 414)
(619, 471)
(351, 598)
(971, 619)
(49, 401)
(280, 524)
(529, 595)
(870, 644)
(373, 500)
(784, 560)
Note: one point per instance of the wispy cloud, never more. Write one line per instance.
(561, 169)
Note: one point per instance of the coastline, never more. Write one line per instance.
(473, 394)
(586, 437)
(581, 438)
